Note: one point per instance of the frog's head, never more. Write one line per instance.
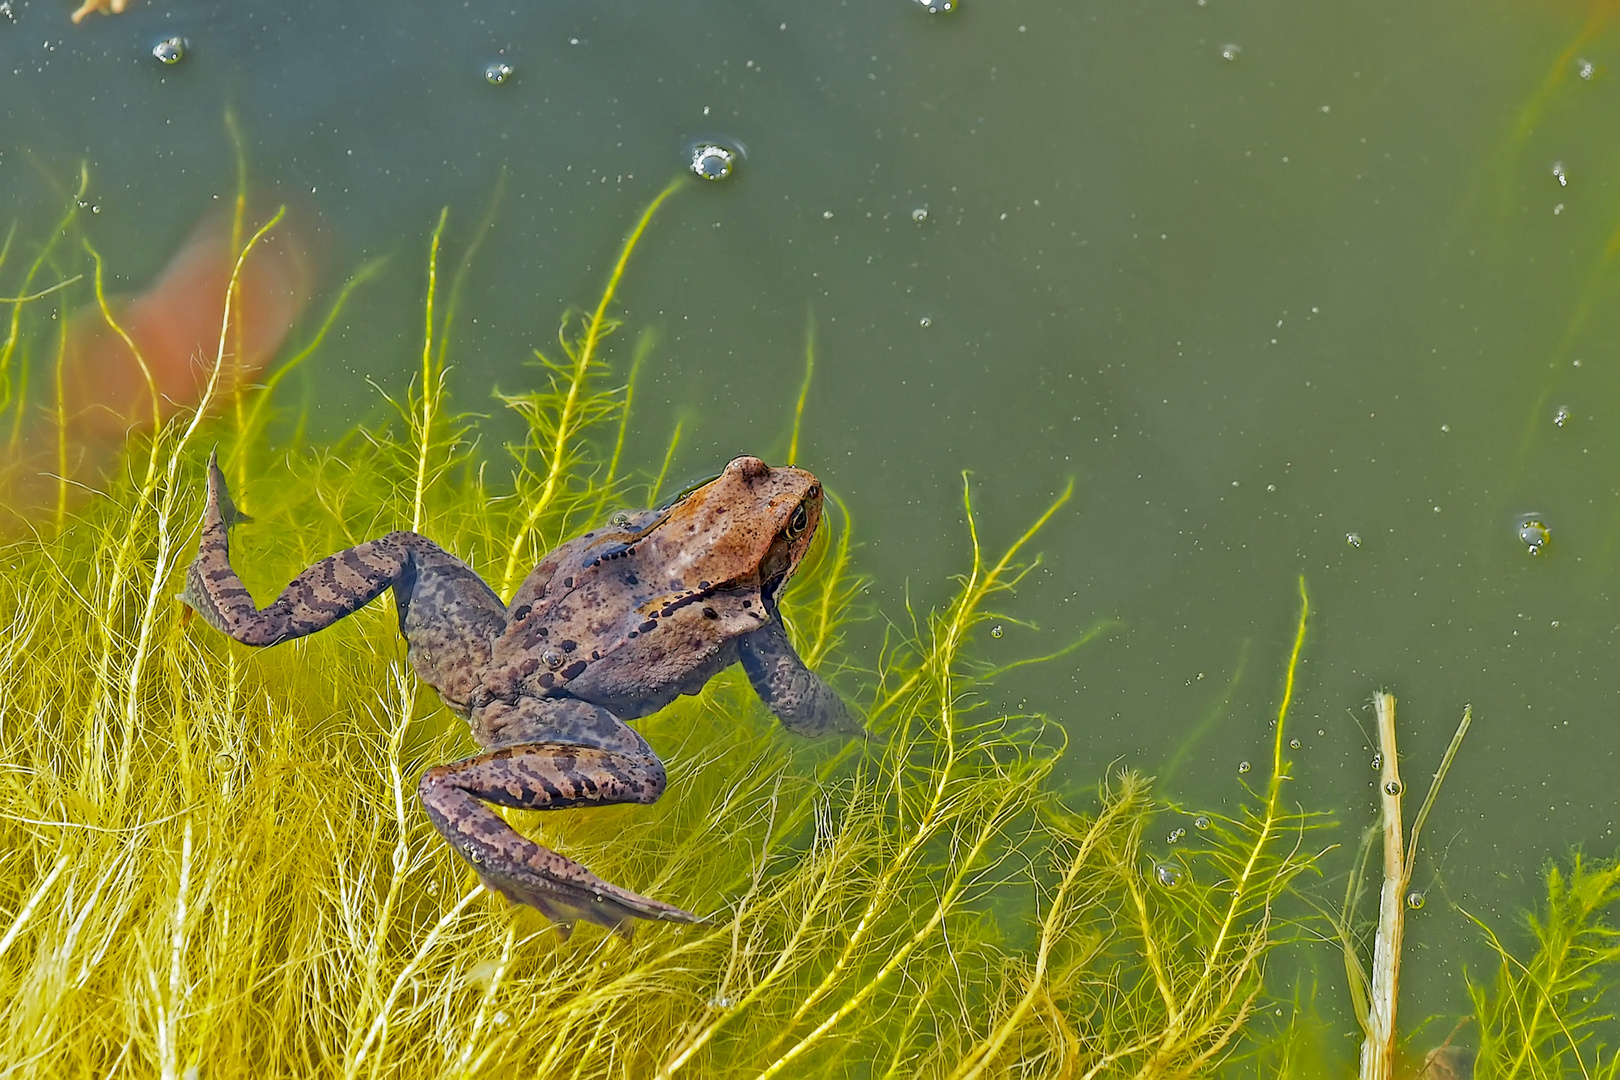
(756, 522)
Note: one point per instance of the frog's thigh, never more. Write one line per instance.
(448, 617)
(543, 776)
(799, 697)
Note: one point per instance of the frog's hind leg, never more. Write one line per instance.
(549, 775)
(437, 593)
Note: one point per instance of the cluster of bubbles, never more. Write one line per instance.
(1353, 539)
(1561, 416)
(1230, 52)
(1534, 535)
(1585, 68)
(497, 72)
(936, 7)
(712, 162)
(171, 50)
(1175, 835)
(1560, 174)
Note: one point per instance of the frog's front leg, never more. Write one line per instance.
(799, 697)
(547, 774)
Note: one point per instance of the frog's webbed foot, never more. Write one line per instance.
(799, 697)
(544, 776)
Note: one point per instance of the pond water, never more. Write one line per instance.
(1286, 289)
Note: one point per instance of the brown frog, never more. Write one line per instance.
(609, 627)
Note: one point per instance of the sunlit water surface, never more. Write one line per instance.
(1285, 289)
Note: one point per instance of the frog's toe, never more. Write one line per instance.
(599, 902)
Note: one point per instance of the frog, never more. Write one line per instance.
(608, 628)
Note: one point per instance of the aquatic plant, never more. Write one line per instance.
(1545, 1015)
(212, 863)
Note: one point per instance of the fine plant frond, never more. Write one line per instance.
(213, 859)
(1543, 1016)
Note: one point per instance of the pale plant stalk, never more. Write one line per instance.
(983, 1055)
(804, 386)
(948, 640)
(26, 912)
(430, 379)
(261, 401)
(8, 350)
(472, 1055)
(379, 1025)
(173, 1003)
(1378, 1049)
(124, 558)
(568, 418)
(164, 520)
(990, 830)
(404, 687)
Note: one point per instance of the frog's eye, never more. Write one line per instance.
(799, 522)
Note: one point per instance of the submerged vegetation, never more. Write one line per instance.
(212, 862)
(214, 865)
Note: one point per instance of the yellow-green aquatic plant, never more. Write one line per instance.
(1544, 1016)
(212, 864)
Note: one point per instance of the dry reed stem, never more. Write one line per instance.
(1378, 1049)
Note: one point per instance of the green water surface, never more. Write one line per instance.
(1260, 276)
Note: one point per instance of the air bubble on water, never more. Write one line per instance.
(722, 1001)
(926, 322)
(1175, 835)
(552, 658)
(1585, 68)
(827, 214)
(1353, 539)
(996, 631)
(224, 762)
(433, 888)
(1244, 766)
(1392, 787)
(1167, 875)
(1201, 822)
(1230, 52)
(171, 50)
(497, 72)
(1378, 761)
(920, 214)
(1561, 415)
(713, 162)
(1414, 900)
(1294, 743)
(1559, 174)
(501, 1016)
(1534, 534)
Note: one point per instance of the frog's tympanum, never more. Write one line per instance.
(609, 627)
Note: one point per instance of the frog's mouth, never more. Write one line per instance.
(773, 569)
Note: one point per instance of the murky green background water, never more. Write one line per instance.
(1258, 275)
